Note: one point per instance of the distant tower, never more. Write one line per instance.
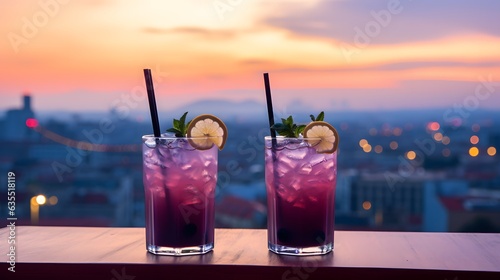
(27, 102)
(15, 128)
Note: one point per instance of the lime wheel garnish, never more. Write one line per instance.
(322, 136)
(206, 130)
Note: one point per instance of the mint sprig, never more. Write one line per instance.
(320, 117)
(288, 128)
(180, 126)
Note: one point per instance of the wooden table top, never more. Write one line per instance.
(120, 253)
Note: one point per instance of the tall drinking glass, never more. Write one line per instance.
(300, 187)
(179, 187)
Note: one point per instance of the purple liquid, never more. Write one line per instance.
(179, 185)
(301, 194)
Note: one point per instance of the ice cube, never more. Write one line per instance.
(192, 195)
(186, 166)
(150, 142)
(205, 176)
(329, 164)
(298, 154)
(305, 170)
(317, 159)
(299, 203)
(164, 152)
(295, 184)
(285, 165)
(312, 198)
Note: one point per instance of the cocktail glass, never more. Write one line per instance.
(300, 185)
(179, 186)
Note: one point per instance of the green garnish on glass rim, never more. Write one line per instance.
(288, 128)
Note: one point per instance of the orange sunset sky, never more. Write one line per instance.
(344, 55)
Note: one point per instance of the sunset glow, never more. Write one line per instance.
(61, 51)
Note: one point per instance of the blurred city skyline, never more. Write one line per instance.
(396, 170)
(323, 54)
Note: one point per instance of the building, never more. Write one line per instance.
(453, 207)
(17, 122)
(397, 205)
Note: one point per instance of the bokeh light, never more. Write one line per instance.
(474, 139)
(378, 149)
(31, 123)
(438, 136)
(446, 140)
(367, 205)
(363, 142)
(433, 126)
(394, 145)
(53, 200)
(411, 155)
(367, 148)
(474, 152)
(40, 199)
(446, 152)
(491, 151)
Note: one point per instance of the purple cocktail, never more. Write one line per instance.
(300, 186)
(179, 185)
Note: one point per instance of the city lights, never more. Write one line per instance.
(367, 205)
(394, 145)
(411, 155)
(31, 123)
(40, 199)
(438, 136)
(491, 151)
(36, 202)
(446, 140)
(367, 148)
(433, 126)
(446, 152)
(378, 149)
(474, 152)
(363, 142)
(397, 131)
(53, 200)
(474, 139)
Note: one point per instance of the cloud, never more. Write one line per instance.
(397, 66)
(189, 30)
(416, 20)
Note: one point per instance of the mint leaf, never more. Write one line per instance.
(321, 116)
(288, 128)
(179, 126)
(299, 129)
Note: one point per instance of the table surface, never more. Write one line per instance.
(120, 253)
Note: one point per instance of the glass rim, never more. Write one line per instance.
(172, 137)
(269, 138)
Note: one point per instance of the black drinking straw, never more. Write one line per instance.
(270, 113)
(152, 102)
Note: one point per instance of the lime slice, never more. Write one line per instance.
(322, 136)
(206, 130)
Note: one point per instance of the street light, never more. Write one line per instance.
(35, 204)
(40, 199)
